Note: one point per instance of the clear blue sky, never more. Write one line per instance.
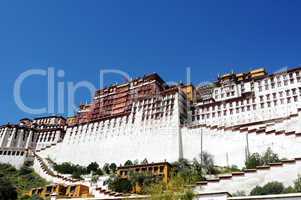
(83, 37)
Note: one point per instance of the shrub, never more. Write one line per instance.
(175, 189)
(270, 157)
(269, 188)
(257, 191)
(239, 194)
(258, 160)
(208, 163)
(118, 184)
(297, 184)
(253, 161)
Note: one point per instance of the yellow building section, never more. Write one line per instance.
(61, 191)
(77, 191)
(256, 73)
(162, 170)
(189, 90)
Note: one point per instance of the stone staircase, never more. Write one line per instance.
(50, 175)
(100, 192)
(46, 172)
(247, 179)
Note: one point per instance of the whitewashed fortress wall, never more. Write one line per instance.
(121, 139)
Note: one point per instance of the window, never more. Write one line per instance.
(285, 82)
(262, 105)
(268, 96)
(287, 92)
(274, 95)
(295, 98)
(260, 88)
(281, 101)
(279, 83)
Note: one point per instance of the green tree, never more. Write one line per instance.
(113, 167)
(92, 167)
(106, 168)
(7, 190)
(77, 175)
(128, 163)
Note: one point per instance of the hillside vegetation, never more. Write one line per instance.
(15, 183)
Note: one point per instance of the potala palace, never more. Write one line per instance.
(144, 118)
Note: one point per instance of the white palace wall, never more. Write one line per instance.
(229, 147)
(154, 140)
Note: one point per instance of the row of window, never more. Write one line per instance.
(144, 169)
(13, 153)
(245, 108)
(265, 84)
(287, 93)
